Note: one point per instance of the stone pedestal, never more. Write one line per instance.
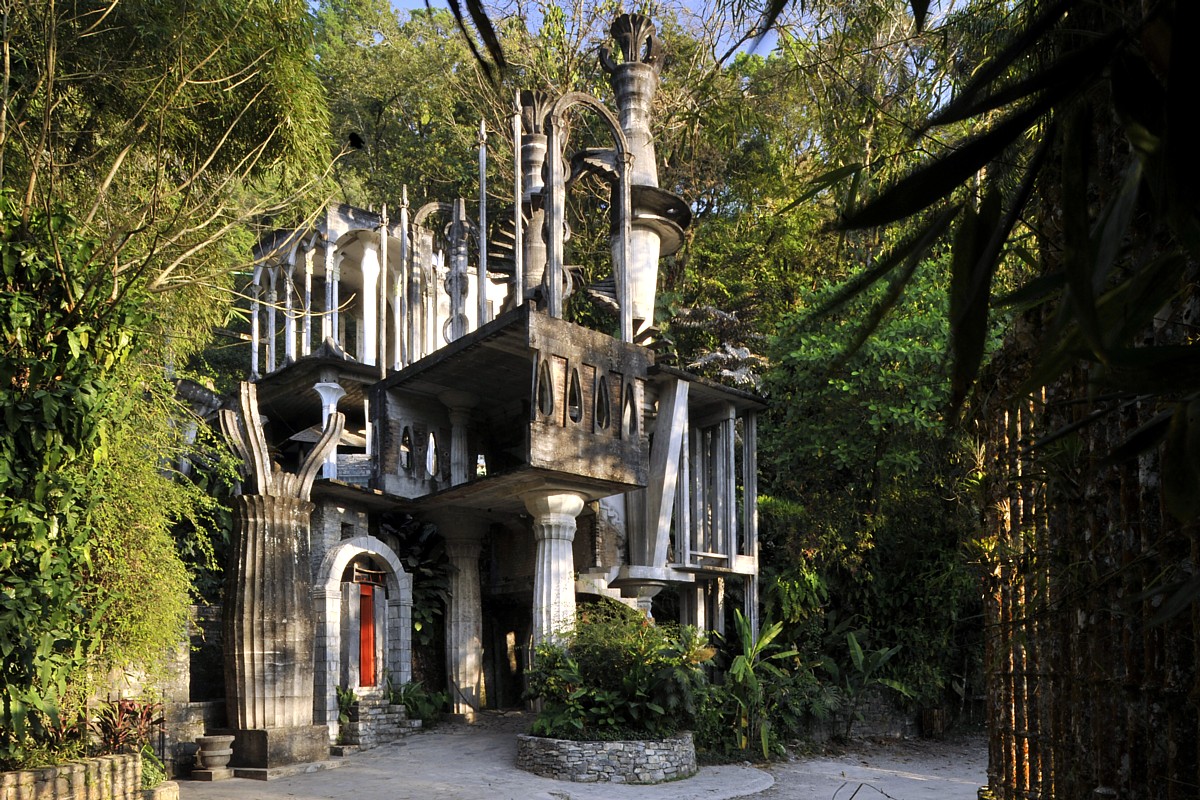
(258, 751)
(554, 514)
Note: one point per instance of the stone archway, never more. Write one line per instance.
(327, 599)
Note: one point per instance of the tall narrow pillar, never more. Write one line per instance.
(331, 392)
(369, 335)
(463, 534)
(459, 405)
(306, 339)
(554, 514)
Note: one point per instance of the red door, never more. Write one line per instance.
(366, 635)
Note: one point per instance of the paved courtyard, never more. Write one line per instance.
(459, 762)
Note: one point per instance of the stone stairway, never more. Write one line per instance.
(373, 721)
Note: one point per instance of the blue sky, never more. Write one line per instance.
(695, 5)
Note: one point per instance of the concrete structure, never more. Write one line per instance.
(426, 370)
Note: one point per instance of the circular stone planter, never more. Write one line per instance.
(633, 761)
(214, 752)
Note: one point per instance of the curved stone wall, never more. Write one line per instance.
(637, 761)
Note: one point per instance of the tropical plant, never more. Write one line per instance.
(419, 702)
(767, 694)
(863, 674)
(618, 676)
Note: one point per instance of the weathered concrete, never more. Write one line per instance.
(554, 514)
(269, 621)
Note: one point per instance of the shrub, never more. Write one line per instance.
(419, 702)
(618, 676)
(768, 692)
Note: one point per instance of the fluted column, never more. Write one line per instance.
(268, 620)
(268, 616)
(463, 534)
(458, 405)
(554, 514)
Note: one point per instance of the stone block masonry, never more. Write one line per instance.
(634, 761)
(374, 722)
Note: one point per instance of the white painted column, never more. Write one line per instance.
(306, 339)
(330, 392)
(369, 335)
(328, 329)
(288, 270)
(463, 534)
(272, 302)
(554, 514)
(255, 335)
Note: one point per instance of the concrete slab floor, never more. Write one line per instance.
(460, 762)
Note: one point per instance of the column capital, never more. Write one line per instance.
(553, 503)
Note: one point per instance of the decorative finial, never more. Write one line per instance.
(534, 104)
(635, 35)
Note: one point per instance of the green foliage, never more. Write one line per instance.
(863, 673)
(125, 725)
(868, 498)
(128, 726)
(419, 702)
(741, 713)
(346, 698)
(422, 552)
(618, 676)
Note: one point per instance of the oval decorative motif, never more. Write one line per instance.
(603, 410)
(545, 390)
(406, 450)
(431, 457)
(629, 421)
(574, 397)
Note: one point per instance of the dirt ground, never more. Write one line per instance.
(952, 768)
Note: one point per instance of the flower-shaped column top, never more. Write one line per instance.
(261, 475)
(635, 81)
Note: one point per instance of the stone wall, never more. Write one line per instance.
(639, 761)
(103, 778)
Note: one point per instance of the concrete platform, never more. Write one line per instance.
(460, 762)
(455, 761)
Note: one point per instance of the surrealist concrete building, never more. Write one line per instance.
(410, 362)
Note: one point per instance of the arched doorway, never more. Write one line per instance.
(360, 578)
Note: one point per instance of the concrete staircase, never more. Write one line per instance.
(373, 721)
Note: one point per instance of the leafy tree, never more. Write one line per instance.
(868, 501)
(132, 137)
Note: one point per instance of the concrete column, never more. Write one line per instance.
(459, 405)
(272, 330)
(463, 534)
(306, 339)
(327, 603)
(288, 271)
(269, 620)
(369, 335)
(331, 393)
(554, 514)
(255, 322)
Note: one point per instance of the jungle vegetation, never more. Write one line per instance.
(908, 216)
